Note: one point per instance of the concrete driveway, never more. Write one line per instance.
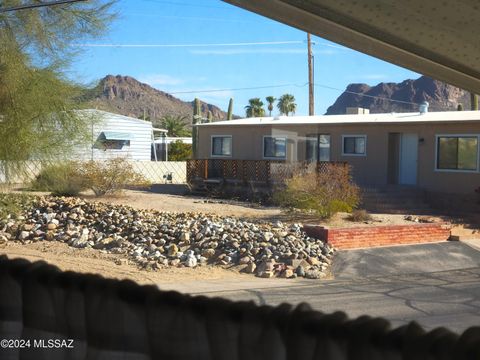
(394, 260)
(435, 285)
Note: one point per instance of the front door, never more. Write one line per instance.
(408, 159)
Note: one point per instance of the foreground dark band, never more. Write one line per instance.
(108, 319)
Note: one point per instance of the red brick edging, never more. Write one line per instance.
(361, 237)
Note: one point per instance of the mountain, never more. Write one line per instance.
(441, 97)
(127, 96)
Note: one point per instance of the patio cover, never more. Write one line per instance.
(435, 38)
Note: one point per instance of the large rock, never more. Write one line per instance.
(191, 261)
(172, 250)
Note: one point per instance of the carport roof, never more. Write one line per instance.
(436, 38)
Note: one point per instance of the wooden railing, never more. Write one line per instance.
(265, 171)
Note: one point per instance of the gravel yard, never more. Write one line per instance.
(147, 261)
(155, 240)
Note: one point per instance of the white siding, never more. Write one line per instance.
(139, 130)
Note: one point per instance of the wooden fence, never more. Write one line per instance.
(262, 171)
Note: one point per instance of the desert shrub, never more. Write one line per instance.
(359, 215)
(111, 176)
(62, 179)
(12, 205)
(326, 193)
(179, 151)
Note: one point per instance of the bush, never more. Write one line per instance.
(12, 205)
(325, 193)
(111, 176)
(179, 151)
(359, 215)
(60, 179)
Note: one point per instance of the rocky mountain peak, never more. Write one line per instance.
(406, 95)
(126, 95)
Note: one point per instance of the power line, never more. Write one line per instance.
(191, 45)
(43, 4)
(236, 89)
(366, 95)
(185, 4)
(297, 85)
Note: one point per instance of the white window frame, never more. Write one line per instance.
(437, 136)
(274, 157)
(221, 136)
(353, 136)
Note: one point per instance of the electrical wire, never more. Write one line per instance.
(43, 4)
(365, 95)
(235, 89)
(185, 4)
(297, 85)
(192, 45)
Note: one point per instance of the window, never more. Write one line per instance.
(354, 145)
(109, 140)
(457, 153)
(221, 145)
(324, 148)
(318, 147)
(274, 147)
(111, 144)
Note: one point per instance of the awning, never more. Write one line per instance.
(440, 39)
(113, 135)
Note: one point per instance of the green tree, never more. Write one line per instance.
(175, 125)
(270, 100)
(254, 108)
(36, 101)
(286, 104)
(179, 151)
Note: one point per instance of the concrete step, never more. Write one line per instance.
(394, 199)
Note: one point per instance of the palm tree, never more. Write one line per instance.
(176, 125)
(254, 108)
(270, 100)
(286, 104)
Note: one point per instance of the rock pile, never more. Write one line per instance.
(155, 239)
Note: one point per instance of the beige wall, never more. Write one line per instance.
(372, 169)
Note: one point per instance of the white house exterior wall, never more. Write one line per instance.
(139, 130)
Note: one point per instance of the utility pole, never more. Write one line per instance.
(311, 101)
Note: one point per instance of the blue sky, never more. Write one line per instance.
(188, 71)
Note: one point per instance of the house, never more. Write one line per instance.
(435, 151)
(114, 135)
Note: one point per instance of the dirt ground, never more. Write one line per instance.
(109, 265)
(187, 203)
(183, 203)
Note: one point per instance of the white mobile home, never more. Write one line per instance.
(116, 135)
